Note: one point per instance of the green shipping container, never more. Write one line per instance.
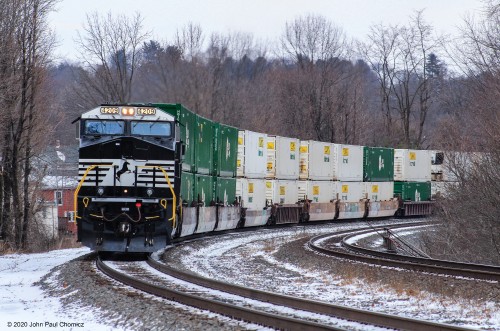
(204, 189)
(187, 187)
(378, 164)
(204, 146)
(187, 127)
(413, 191)
(225, 190)
(225, 150)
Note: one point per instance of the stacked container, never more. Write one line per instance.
(330, 174)
(318, 190)
(224, 167)
(225, 190)
(351, 195)
(412, 165)
(350, 191)
(348, 172)
(317, 172)
(378, 164)
(316, 160)
(412, 174)
(379, 191)
(253, 200)
(188, 123)
(187, 126)
(283, 160)
(204, 146)
(316, 179)
(208, 170)
(187, 187)
(282, 191)
(348, 163)
(225, 150)
(251, 173)
(252, 154)
(378, 174)
(414, 191)
(322, 195)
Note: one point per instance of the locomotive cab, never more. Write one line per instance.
(129, 160)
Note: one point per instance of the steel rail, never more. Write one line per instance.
(469, 270)
(353, 314)
(237, 312)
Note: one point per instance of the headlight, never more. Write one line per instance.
(100, 190)
(128, 111)
(149, 191)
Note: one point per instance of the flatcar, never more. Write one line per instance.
(152, 172)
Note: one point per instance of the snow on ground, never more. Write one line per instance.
(229, 259)
(24, 306)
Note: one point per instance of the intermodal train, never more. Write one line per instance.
(149, 173)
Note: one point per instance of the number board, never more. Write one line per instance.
(109, 110)
(141, 111)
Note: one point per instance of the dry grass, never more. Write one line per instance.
(64, 241)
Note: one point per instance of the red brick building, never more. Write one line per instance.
(58, 191)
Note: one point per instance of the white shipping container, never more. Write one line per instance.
(412, 165)
(317, 191)
(379, 191)
(350, 191)
(271, 157)
(282, 157)
(252, 154)
(304, 159)
(251, 192)
(302, 189)
(347, 163)
(316, 160)
(459, 164)
(283, 192)
(437, 166)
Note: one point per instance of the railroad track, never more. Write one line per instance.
(223, 305)
(254, 297)
(388, 259)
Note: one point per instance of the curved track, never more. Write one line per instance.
(217, 306)
(260, 317)
(361, 254)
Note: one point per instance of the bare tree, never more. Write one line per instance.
(316, 47)
(477, 54)
(24, 63)
(381, 52)
(192, 74)
(399, 55)
(110, 49)
(227, 56)
(190, 41)
(471, 228)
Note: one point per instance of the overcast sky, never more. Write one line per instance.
(265, 19)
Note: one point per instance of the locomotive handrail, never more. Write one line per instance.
(171, 190)
(80, 183)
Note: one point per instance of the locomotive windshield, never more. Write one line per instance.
(102, 127)
(151, 128)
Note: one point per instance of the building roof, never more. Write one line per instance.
(60, 160)
(59, 182)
